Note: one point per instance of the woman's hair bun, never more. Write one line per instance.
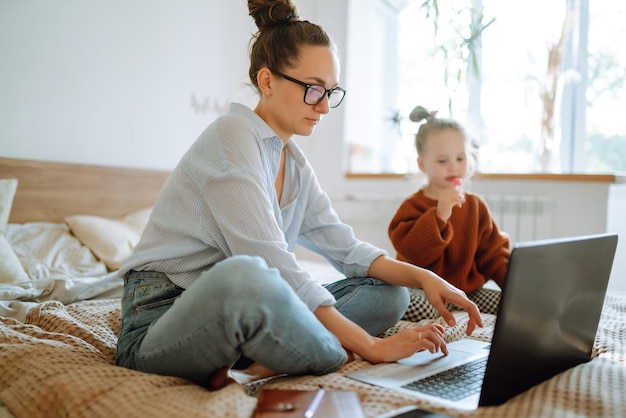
(270, 13)
(420, 113)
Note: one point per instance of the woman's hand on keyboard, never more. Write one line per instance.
(408, 342)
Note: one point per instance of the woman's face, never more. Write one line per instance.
(284, 108)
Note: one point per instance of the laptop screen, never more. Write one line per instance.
(552, 300)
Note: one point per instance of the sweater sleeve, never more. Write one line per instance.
(417, 234)
(493, 251)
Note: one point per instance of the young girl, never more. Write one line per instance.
(445, 228)
(213, 284)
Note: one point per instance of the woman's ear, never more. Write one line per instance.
(263, 80)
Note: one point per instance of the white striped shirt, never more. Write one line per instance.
(220, 201)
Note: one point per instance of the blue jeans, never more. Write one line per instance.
(240, 307)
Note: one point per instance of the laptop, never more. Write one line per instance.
(547, 321)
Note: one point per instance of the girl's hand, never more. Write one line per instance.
(448, 199)
(406, 343)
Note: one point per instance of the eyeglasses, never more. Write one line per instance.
(314, 93)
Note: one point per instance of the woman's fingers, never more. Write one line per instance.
(459, 298)
(428, 337)
(433, 339)
(408, 342)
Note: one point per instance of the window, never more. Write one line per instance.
(499, 90)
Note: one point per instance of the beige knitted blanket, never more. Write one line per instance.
(60, 363)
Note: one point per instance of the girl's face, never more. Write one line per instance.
(284, 108)
(444, 158)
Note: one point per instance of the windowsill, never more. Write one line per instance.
(569, 177)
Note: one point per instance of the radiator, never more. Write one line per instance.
(524, 218)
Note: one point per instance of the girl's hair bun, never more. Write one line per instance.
(420, 113)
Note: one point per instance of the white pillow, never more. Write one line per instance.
(138, 220)
(111, 240)
(7, 192)
(11, 270)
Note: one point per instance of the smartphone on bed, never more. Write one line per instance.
(412, 411)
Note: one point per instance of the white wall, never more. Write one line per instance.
(114, 82)
(616, 223)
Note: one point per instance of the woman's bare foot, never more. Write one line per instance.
(219, 378)
(257, 371)
(225, 376)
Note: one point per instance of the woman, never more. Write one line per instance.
(214, 284)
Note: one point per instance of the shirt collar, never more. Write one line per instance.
(265, 132)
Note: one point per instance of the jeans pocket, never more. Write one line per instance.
(146, 297)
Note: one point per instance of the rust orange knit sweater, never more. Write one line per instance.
(467, 250)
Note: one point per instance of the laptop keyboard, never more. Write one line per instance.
(453, 384)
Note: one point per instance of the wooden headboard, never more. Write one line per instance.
(49, 191)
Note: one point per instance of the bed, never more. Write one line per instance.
(69, 226)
